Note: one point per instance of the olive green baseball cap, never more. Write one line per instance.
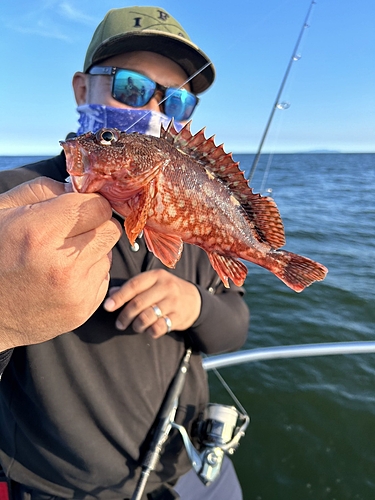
(152, 29)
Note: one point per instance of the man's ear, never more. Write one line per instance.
(80, 87)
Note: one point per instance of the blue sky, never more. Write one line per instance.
(331, 89)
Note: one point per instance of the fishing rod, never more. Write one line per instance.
(276, 105)
(219, 433)
(165, 419)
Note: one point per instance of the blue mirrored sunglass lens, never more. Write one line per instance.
(179, 104)
(132, 88)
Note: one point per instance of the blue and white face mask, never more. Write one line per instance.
(93, 117)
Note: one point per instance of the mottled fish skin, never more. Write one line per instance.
(183, 188)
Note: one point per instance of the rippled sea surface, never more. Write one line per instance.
(312, 431)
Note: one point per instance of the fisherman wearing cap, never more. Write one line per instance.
(78, 411)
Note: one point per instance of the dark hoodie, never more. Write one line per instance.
(76, 412)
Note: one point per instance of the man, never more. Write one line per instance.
(77, 411)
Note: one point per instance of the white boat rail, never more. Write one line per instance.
(292, 351)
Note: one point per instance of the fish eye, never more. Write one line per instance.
(107, 136)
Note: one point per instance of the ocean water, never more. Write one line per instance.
(312, 431)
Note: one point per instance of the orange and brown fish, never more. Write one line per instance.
(183, 188)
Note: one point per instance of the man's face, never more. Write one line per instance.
(157, 67)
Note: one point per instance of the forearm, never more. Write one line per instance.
(223, 323)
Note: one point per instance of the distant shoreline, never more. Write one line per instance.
(312, 152)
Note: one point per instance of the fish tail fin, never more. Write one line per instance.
(296, 271)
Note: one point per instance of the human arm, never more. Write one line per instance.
(55, 256)
(214, 322)
(223, 323)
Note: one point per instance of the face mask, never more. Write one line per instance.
(93, 117)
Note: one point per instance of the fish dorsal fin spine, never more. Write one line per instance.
(261, 212)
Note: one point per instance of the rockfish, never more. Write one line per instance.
(180, 188)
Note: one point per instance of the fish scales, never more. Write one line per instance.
(182, 188)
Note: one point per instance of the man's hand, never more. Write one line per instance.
(153, 292)
(55, 256)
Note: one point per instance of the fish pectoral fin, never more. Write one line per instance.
(136, 220)
(228, 268)
(166, 247)
(133, 227)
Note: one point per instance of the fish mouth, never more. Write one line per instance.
(79, 183)
(76, 163)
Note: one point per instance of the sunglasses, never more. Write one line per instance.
(136, 90)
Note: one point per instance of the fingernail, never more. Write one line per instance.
(109, 304)
(119, 325)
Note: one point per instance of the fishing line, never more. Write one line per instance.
(283, 106)
(229, 390)
(170, 95)
(265, 175)
(295, 57)
(272, 152)
(229, 49)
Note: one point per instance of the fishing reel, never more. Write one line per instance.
(219, 433)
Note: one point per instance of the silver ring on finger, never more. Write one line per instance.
(157, 311)
(168, 322)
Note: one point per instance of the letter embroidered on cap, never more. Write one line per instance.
(163, 15)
